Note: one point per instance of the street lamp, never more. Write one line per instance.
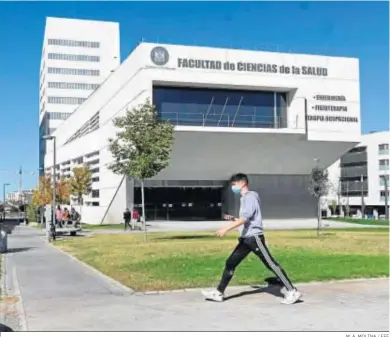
(4, 198)
(53, 204)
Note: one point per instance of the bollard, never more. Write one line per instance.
(3, 241)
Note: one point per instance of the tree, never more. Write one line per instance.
(334, 206)
(63, 191)
(80, 183)
(43, 195)
(319, 187)
(142, 147)
(32, 212)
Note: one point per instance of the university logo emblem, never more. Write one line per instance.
(159, 56)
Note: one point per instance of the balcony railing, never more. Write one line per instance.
(356, 157)
(383, 167)
(356, 171)
(383, 151)
(223, 120)
(353, 186)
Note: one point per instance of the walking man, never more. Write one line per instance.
(126, 218)
(251, 240)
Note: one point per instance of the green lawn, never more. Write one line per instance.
(362, 221)
(172, 261)
(103, 227)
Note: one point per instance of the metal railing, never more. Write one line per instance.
(353, 186)
(357, 157)
(383, 151)
(208, 119)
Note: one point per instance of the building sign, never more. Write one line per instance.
(328, 107)
(251, 67)
(160, 57)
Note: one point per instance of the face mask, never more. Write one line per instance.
(236, 190)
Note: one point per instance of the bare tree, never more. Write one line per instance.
(319, 187)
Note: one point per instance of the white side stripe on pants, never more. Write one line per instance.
(274, 267)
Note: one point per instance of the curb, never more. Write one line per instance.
(19, 308)
(3, 289)
(19, 304)
(243, 287)
(114, 285)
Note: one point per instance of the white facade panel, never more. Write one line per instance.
(205, 152)
(375, 184)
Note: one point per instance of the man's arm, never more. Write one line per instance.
(247, 210)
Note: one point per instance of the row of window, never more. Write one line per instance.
(91, 125)
(65, 100)
(74, 43)
(58, 115)
(73, 57)
(221, 107)
(70, 71)
(76, 86)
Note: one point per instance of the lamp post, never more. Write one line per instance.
(4, 198)
(53, 203)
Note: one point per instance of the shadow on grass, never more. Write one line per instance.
(184, 237)
(19, 250)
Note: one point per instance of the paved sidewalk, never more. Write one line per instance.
(60, 294)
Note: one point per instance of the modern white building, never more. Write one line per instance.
(24, 197)
(77, 56)
(358, 177)
(270, 115)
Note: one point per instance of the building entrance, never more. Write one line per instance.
(180, 203)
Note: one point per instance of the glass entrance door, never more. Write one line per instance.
(181, 203)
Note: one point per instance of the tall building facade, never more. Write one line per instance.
(359, 177)
(77, 56)
(270, 115)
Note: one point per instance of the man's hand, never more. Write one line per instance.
(228, 217)
(220, 233)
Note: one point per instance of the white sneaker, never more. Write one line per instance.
(213, 295)
(291, 297)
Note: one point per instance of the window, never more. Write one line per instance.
(95, 193)
(384, 164)
(71, 57)
(382, 179)
(58, 115)
(70, 71)
(74, 43)
(66, 100)
(95, 203)
(95, 179)
(77, 86)
(383, 149)
(383, 195)
(225, 108)
(90, 126)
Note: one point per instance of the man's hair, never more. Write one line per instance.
(239, 177)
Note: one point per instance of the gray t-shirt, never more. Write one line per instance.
(250, 210)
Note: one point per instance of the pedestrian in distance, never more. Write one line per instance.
(127, 218)
(251, 240)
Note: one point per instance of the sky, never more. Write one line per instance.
(350, 29)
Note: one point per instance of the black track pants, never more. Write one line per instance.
(255, 244)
